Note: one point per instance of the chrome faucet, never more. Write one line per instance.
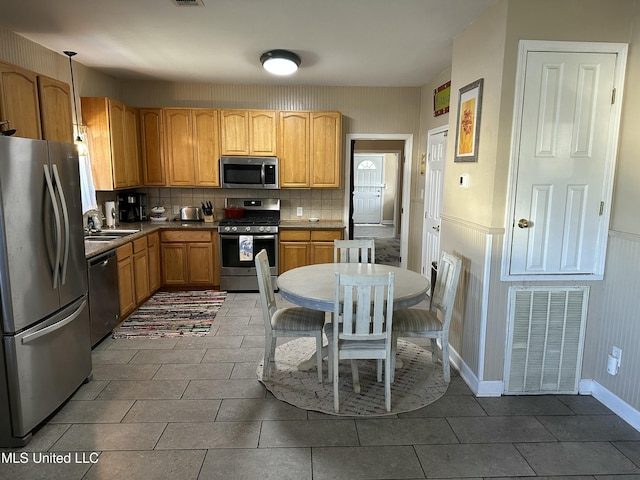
(94, 220)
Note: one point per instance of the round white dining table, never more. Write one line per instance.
(312, 286)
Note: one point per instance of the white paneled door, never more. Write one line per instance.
(367, 188)
(561, 190)
(436, 155)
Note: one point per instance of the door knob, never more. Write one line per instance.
(524, 223)
(436, 228)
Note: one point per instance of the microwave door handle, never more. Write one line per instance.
(56, 214)
(262, 174)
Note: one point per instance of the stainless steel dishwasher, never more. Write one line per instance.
(104, 304)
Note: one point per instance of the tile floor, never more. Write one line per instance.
(191, 408)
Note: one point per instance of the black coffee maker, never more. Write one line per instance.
(132, 207)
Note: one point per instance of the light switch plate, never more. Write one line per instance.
(299, 211)
(463, 182)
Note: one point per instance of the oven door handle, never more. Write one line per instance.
(255, 237)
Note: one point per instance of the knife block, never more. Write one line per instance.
(208, 218)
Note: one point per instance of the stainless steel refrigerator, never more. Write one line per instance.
(45, 353)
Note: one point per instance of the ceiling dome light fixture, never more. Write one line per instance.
(280, 62)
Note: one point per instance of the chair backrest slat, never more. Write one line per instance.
(265, 286)
(354, 251)
(366, 305)
(444, 293)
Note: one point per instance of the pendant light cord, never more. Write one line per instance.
(73, 90)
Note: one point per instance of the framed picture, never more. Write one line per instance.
(468, 122)
(441, 99)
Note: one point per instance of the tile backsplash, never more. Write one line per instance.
(325, 204)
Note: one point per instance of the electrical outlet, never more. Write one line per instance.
(613, 360)
(299, 211)
(617, 352)
(176, 210)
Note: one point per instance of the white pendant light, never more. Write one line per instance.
(280, 62)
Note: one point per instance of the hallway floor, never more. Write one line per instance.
(192, 408)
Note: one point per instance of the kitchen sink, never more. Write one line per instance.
(101, 238)
(108, 235)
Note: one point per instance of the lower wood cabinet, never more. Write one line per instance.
(126, 280)
(141, 269)
(138, 272)
(189, 258)
(306, 247)
(153, 254)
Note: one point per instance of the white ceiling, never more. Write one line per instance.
(340, 42)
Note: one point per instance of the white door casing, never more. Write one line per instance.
(436, 156)
(367, 188)
(563, 157)
(404, 173)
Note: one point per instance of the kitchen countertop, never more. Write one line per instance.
(307, 225)
(93, 249)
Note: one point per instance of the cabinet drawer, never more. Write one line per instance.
(185, 236)
(325, 235)
(140, 245)
(153, 239)
(295, 235)
(124, 251)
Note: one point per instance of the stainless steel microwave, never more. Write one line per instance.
(249, 172)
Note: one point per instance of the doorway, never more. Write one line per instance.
(374, 202)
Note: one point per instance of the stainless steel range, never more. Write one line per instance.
(254, 228)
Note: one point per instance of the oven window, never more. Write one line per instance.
(243, 174)
(230, 250)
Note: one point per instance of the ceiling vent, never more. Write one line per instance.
(188, 3)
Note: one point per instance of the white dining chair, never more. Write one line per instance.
(354, 251)
(284, 322)
(366, 305)
(420, 322)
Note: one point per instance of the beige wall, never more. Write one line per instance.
(427, 122)
(478, 53)
(488, 48)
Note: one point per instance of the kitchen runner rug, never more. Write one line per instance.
(173, 314)
(418, 383)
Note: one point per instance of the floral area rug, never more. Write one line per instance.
(173, 314)
(418, 383)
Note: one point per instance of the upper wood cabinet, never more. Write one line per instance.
(112, 128)
(206, 147)
(325, 148)
(248, 132)
(191, 146)
(293, 149)
(19, 101)
(309, 147)
(151, 146)
(55, 109)
(132, 147)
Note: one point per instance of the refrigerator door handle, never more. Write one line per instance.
(67, 230)
(56, 214)
(56, 326)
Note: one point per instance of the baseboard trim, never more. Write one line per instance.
(480, 388)
(621, 408)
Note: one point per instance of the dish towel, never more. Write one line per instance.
(87, 189)
(245, 247)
